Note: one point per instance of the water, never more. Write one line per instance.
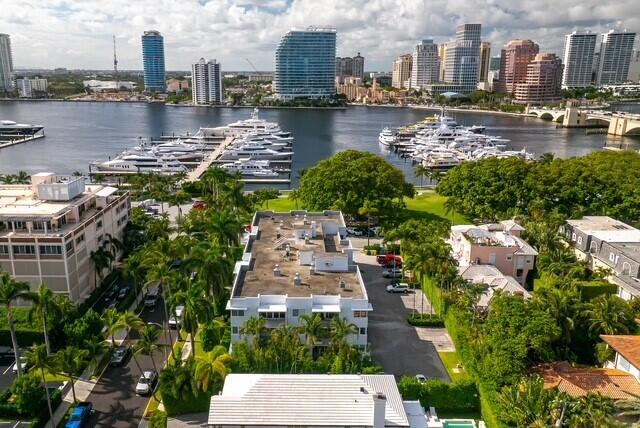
(78, 133)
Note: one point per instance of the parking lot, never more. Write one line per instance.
(6, 374)
(395, 344)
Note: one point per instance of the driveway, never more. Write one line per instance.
(114, 399)
(395, 344)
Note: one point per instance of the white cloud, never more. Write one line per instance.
(77, 33)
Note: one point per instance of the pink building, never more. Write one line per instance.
(497, 244)
(514, 59)
(544, 78)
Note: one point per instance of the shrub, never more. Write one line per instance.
(425, 320)
(27, 392)
(459, 396)
(42, 416)
(158, 420)
(589, 290)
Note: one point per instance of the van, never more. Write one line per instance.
(151, 297)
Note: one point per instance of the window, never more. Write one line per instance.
(593, 248)
(4, 249)
(573, 236)
(509, 257)
(528, 261)
(234, 330)
(24, 249)
(579, 240)
(297, 312)
(20, 225)
(69, 247)
(80, 238)
(626, 268)
(50, 249)
(41, 225)
(519, 272)
(363, 331)
(237, 313)
(99, 224)
(612, 257)
(272, 315)
(359, 314)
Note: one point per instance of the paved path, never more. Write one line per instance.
(195, 173)
(395, 344)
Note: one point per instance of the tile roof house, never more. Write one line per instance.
(627, 349)
(576, 382)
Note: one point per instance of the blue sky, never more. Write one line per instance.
(78, 33)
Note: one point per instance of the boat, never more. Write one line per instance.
(254, 151)
(387, 137)
(252, 125)
(140, 162)
(9, 127)
(250, 167)
(176, 148)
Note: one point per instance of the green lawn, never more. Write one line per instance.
(428, 206)
(450, 361)
(433, 293)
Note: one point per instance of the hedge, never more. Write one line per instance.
(488, 398)
(42, 418)
(425, 320)
(459, 396)
(158, 420)
(195, 404)
(589, 290)
(25, 338)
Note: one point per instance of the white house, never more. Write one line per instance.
(627, 357)
(298, 263)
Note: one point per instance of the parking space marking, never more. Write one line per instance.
(8, 368)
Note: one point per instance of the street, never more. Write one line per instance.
(395, 344)
(114, 399)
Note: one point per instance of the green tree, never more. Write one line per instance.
(27, 393)
(213, 265)
(135, 270)
(40, 360)
(95, 347)
(609, 314)
(212, 365)
(148, 343)
(196, 309)
(526, 403)
(253, 327)
(10, 291)
(101, 259)
(313, 328)
(113, 323)
(69, 362)
(341, 329)
(46, 307)
(264, 194)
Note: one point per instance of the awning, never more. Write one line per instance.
(326, 308)
(231, 307)
(272, 308)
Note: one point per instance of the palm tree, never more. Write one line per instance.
(131, 321)
(135, 270)
(113, 323)
(176, 381)
(70, 361)
(212, 364)
(368, 209)
(211, 181)
(609, 314)
(421, 171)
(253, 327)
(22, 178)
(213, 266)
(95, 347)
(46, 306)
(161, 275)
(113, 246)
(10, 291)
(147, 344)
(40, 360)
(196, 309)
(629, 407)
(294, 195)
(562, 305)
(224, 228)
(101, 260)
(313, 328)
(341, 329)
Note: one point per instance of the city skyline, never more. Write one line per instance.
(79, 34)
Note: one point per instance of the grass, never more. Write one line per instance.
(428, 206)
(450, 361)
(55, 377)
(432, 292)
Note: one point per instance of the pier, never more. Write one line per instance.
(11, 140)
(197, 172)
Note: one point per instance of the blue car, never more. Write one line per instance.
(80, 415)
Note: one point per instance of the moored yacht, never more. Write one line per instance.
(254, 151)
(250, 167)
(9, 127)
(140, 162)
(387, 137)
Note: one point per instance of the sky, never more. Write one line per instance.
(78, 33)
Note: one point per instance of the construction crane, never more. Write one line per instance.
(252, 66)
(115, 58)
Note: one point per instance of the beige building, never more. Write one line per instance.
(497, 244)
(177, 85)
(401, 72)
(49, 228)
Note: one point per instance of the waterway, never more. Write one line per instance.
(80, 132)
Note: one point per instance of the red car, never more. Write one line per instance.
(386, 259)
(199, 205)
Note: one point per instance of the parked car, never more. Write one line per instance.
(393, 265)
(151, 297)
(354, 232)
(112, 304)
(80, 415)
(376, 230)
(123, 292)
(199, 205)
(147, 382)
(384, 259)
(392, 273)
(174, 320)
(401, 287)
(120, 356)
(421, 378)
(23, 366)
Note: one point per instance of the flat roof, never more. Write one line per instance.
(629, 249)
(276, 230)
(305, 400)
(606, 229)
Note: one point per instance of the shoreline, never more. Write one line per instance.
(468, 110)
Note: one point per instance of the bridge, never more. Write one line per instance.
(617, 123)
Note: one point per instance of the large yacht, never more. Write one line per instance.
(253, 125)
(387, 137)
(141, 162)
(176, 148)
(254, 151)
(250, 167)
(9, 127)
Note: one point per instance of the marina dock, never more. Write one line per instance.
(11, 140)
(197, 172)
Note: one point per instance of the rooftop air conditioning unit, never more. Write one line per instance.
(297, 280)
(276, 270)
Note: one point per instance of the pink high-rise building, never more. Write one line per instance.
(514, 58)
(544, 79)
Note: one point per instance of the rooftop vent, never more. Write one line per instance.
(297, 280)
(281, 225)
(342, 284)
(276, 270)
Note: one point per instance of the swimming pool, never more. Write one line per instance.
(459, 423)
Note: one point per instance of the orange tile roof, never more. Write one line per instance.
(610, 383)
(627, 346)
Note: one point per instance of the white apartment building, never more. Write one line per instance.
(6, 64)
(425, 64)
(298, 263)
(579, 48)
(49, 228)
(206, 82)
(616, 51)
(28, 88)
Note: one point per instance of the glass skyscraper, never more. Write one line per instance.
(306, 64)
(153, 61)
(6, 64)
(462, 63)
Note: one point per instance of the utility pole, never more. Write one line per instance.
(115, 64)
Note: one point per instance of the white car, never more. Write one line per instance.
(392, 273)
(354, 232)
(147, 382)
(174, 320)
(398, 288)
(23, 366)
(421, 378)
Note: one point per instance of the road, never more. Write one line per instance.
(114, 399)
(395, 344)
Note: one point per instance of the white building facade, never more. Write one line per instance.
(425, 64)
(206, 81)
(6, 64)
(579, 48)
(616, 51)
(295, 264)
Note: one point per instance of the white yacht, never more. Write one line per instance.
(250, 167)
(387, 137)
(254, 151)
(141, 162)
(254, 124)
(9, 127)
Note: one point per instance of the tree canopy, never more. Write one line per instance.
(351, 180)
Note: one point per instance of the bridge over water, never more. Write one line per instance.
(617, 123)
